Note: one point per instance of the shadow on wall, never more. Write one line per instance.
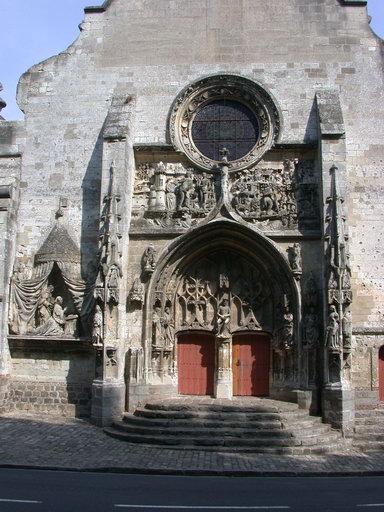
(67, 395)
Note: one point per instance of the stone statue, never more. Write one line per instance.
(157, 326)
(287, 329)
(45, 306)
(113, 284)
(223, 319)
(55, 324)
(149, 259)
(294, 254)
(171, 195)
(333, 330)
(97, 327)
(137, 291)
(185, 190)
(168, 328)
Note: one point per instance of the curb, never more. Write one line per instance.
(196, 472)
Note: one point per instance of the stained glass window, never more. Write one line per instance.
(225, 124)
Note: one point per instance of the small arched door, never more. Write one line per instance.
(251, 364)
(196, 363)
(381, 374)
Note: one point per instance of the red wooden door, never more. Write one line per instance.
(196, 363)
(251, 361)
(381, 374)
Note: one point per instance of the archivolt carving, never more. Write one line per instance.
(222, 284)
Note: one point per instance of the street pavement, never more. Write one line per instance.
(27, 441)
(56, 491)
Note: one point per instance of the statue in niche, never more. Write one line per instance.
(149, 259)
(223, 319)
(157, 326)
(97, 327)
(137, 292)
(168, 327)
(287, 329)
(294, 254)
(333, 329)
(185, 191)
(55, 324)
(113, 284)
(347, 330)
(311, 329)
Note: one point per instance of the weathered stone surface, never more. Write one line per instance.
(118, 228)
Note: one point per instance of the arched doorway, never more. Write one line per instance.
(251, 364)
(196, 363)
(381, 374)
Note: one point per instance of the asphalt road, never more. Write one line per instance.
(58, 491)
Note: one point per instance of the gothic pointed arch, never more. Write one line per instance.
(223, 263)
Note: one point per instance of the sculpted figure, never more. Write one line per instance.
(45, 306)
(171, 195)
(186, 189)
(113, 284)
(149, 258)
(168, 327)
(294, 253)
(157, 326)
(223, 319)
(97, 327)
(137, 291)
(55, 324)
(203, 190)
(332, 335)
(287, 330)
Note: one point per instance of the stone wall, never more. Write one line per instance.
(55, 383)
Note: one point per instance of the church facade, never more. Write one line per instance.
(193, 206)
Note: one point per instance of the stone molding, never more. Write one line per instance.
(215, 87)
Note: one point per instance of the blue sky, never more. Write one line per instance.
(33, 30)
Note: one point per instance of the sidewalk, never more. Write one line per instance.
(29, 441)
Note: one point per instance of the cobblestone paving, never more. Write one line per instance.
(27, 440)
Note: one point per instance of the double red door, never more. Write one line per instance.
(251, 362)
(381, 374)
(196, 363)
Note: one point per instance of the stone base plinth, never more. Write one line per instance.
(338, 407)
(223, 389)
(108, 399)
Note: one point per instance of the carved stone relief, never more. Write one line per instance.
(278, 198)
(171, 195)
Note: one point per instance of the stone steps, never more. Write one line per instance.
(259, 424)
(369, 429)
(253, 425)
(221, 432)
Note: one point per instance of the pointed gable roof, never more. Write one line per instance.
(58, 246)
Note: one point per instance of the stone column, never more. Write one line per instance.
(223, 377)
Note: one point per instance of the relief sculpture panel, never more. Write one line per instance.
(279, 197)
(171, 195)
(274, 196)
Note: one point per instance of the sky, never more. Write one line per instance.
(33, 30)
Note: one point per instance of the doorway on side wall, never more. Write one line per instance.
(196, 363)
(251, 364)
(381, 374)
